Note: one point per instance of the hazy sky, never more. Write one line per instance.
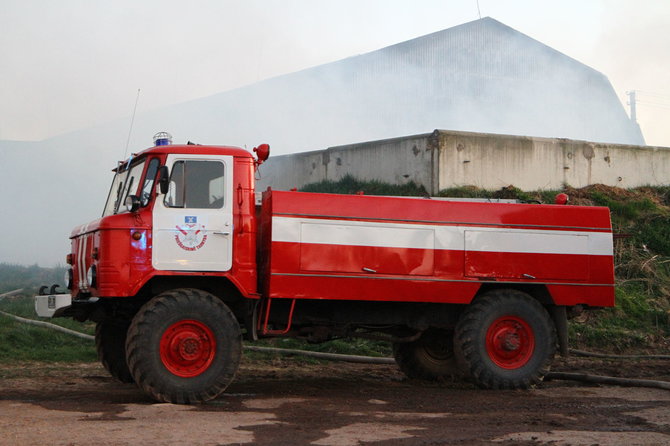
(71, 64)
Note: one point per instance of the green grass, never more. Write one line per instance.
(638, 321)
(349, 185)
(610, 339)
(22, 342)
(623, 210)
(465, 192)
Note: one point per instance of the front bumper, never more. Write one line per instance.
(48, 305)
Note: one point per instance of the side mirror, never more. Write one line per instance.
(262, 152)
(132, 203)
(163, 179)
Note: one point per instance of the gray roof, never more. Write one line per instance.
(482, 76)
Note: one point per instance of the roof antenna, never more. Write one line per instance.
(132, 120)
(479, 11)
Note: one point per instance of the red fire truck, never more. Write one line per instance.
(184, 262)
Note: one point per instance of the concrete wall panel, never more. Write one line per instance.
(396, 161)
(492, 161)
(446, 159)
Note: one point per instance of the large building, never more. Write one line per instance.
(482, 76)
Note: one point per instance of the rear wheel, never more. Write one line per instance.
(430, 357)
(184, 346)
(505, 340)
(110, 343)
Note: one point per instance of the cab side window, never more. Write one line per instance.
(149, 178)
(196, 185)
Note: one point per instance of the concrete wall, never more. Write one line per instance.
(395, 161)
(446, 159)
(493, 161)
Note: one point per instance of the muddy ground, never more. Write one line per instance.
(290, 402)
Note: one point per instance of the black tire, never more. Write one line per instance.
(431, 357)
(184, 346)
(110, 343)
(505, 340)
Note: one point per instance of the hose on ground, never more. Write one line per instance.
(607, 356)
(598, 379)
(320, 355)
(48, 325)
(10, 293)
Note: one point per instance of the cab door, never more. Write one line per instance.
(193, 221)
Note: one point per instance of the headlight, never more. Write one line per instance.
(68, 278)
(132, 203)
(91, 276)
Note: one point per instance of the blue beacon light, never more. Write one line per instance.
(162, 139)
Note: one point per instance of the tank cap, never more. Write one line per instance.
(562, 198)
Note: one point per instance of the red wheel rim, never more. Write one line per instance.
(510, 342)
(187, 348)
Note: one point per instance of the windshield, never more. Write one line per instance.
(125, 183)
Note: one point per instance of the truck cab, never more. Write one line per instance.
(171, 210)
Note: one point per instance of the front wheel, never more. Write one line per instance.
(184, 346)
(505, 340)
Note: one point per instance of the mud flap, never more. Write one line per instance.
(560, 317)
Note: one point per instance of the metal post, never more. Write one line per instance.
(631, 102)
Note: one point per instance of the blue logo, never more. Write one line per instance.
(189, 219)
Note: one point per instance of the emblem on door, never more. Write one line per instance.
(190, 236)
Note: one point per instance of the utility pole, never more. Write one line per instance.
(631, 102)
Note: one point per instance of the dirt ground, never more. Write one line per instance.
(288, 402)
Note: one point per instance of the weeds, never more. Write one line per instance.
(465, 192)
(349, 185)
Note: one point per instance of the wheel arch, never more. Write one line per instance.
(125, 307)
(539, 291)
(219, 286)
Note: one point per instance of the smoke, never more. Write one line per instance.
(482, 77)
(71, 64)
(634, 36)
(484, 81)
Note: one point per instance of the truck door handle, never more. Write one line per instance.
(222, 232)
(369, 270)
